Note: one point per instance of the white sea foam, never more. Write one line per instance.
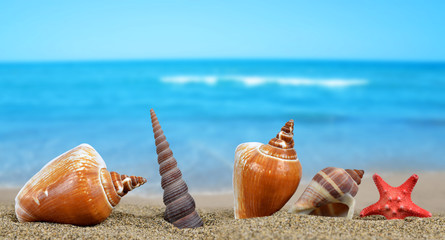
(209, 80)
(252, 81)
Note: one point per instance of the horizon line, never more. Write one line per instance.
(191, 59)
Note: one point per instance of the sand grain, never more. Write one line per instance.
(145, 222)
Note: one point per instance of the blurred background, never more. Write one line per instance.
(363, 81)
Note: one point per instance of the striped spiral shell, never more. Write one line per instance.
(330, 193)
(180, 206)
(124, 183)
(265, 176)
(74, 188)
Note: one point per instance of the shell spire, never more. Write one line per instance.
(282, 146)
(284, 138)
(123, 183)
(357, 175)
(180, 206)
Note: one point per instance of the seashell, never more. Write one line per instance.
(330, 193)
(180, 206)
(74, 188)
(265, 176)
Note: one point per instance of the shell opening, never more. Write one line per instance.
(331, 210)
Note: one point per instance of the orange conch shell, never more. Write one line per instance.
(330, 193)
(265, 176)
(74, 188)
(180, 205)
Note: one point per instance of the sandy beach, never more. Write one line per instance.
(139, 217)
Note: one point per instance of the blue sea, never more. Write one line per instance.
(376, 116)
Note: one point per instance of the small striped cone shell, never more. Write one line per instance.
(180, 206)
(330, 193)
(265, 176)
(74, 188)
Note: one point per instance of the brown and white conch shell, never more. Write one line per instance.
(330, 193)
(74, 188)
(265, 176)
(180, 206)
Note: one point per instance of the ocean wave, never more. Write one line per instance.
(253, 81)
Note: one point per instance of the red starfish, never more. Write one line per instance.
(395, 202)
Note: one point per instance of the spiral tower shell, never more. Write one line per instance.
(180, 206)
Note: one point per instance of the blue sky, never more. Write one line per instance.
(151, 29)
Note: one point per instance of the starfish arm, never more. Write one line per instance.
(409, 184)
(417, 211)
(382, 186)
(371, 210)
